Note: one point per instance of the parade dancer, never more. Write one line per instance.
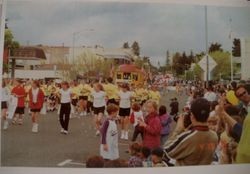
(19, 92)
(65, 109)
(36, 99)
(99, 102)
(125, 103)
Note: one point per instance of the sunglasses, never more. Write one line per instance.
(242, 94)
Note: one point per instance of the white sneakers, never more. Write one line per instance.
(5, 125)
(64, 131)
(124, 135)
(35, 128)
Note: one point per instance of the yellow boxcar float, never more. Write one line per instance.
(129, 73)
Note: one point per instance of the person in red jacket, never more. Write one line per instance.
(152, 126)
(19, 92)
(36, 99)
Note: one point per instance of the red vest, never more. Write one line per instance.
(40, 100)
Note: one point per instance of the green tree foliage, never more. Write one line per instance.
(136, 48)
(223, 64)
(181, 63)
(215, 47)
(236, 48)
(197, 72)
(9, 43)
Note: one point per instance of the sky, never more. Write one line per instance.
(157, 27)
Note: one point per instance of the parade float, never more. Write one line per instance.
(129, 73)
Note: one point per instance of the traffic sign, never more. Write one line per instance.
(203, 63)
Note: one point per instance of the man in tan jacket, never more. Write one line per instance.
(195, 146)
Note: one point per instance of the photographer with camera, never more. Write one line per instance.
(194, 144)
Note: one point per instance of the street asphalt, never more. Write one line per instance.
(48, 148)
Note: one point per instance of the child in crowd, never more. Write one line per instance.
(137, 114)
(118, 163)
(166, 121)
(135, 160)
(109, 135)
(156, 156)
(145, 156)
(152, 126)
(95, 162)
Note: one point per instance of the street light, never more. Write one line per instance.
(74, 38)
(231, 54)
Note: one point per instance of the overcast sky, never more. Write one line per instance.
(157, 27)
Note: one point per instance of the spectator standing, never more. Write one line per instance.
(152, 126)
(197, 145)
(166, 121)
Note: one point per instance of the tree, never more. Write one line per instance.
(178, 64)
(9, 41)
(236, 48)
(191, 57)
(125, 45)
(136, 48)
(223, 64)
(10, 45)
(215, 47)
(185, 61)
(197, 71)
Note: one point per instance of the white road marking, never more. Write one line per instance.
(69, 161)
(64, 162)
(79, 164)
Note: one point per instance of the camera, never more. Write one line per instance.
(187, 119)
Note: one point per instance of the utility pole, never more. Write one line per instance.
(206, 40)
